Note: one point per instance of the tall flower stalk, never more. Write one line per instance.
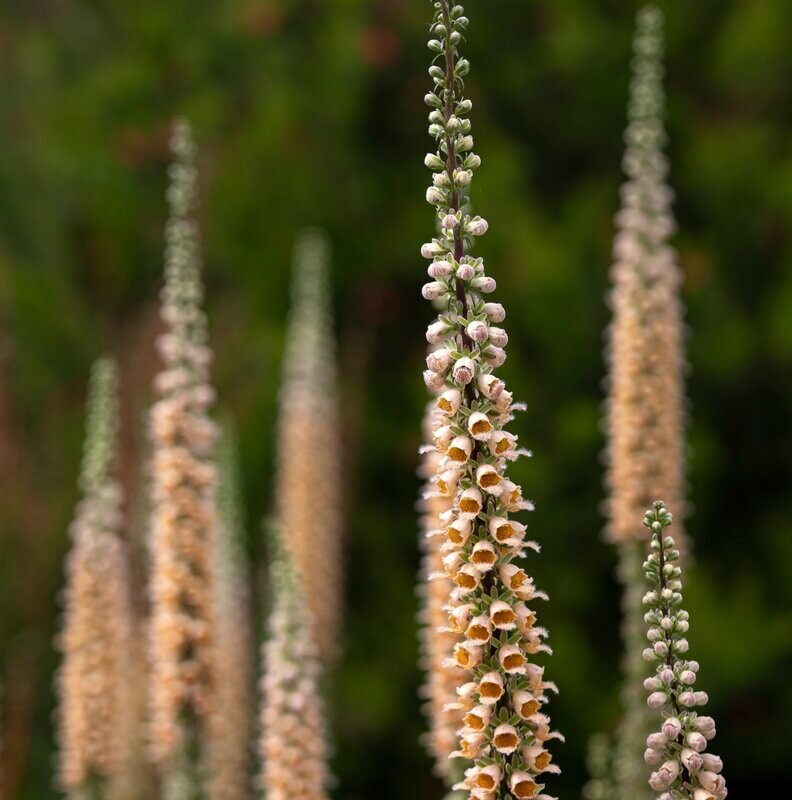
(645, 405)
(183, 503)
(232, 719)
(436, 639)
(95, 641)
(293, 744)
(501, 690)
(684, 771)
(309, 444)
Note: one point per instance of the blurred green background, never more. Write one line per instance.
(310, 113)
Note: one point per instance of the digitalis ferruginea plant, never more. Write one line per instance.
(183, 517)
(645, 404)
(682, 768)
(93, 682)
(501, 689)
(293, 745)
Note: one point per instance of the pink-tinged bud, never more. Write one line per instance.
(706, 725)
(660, 648)
(711, 762)
(449, 222)
(653, 684)
(498, 337)
(465, 272)
(490, 386)
(484, 284)
(436, 332)
(696, 741)
(430, 249)
(433, 381)
(449, 401)
(439, 360)
(478, 331)
(433, 290)
(495, 312)
(477, 226)
(666, 675)
(681, 645)
(687, 699)
(712, 782)
(694, 665)
(495, 356)
(657, 699)
(652, 757)
(703, 794)
(648, 654)
(691, 760)
(434, 196)
(440, 179)
(701, 698)
(671, 728)
(656, 741)
(665, 776)
(439, 269)
(688, 677)
(463, 176)
(503, 401)
(464, 370)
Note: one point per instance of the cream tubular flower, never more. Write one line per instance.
(487, 590)
(310, 468)
(685, 770)
(95, 703)
(293, 743)
(183, 518)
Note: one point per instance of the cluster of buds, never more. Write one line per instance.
(309, 447)
(645, 405)
(182, 484)
(684, 771)
(437, 641)
(293, 745)
(95, 705)
(501, 691)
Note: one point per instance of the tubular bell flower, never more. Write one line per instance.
(684, 771)
(95, 706)
(309, 471)
(481, 542)
(183, 519)
(292, 748)
(645, 356)
(231, 718)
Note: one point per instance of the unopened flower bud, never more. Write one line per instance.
(433, 380)
(436, 332)
(652, 756)
(691, 760)
(478, 331)
(498, 336)
(439, 360)
(657, 699)
(449, 222)
(671, 728)
(434, 196)
(433, 161)
(696, 741)
(495, 356)
(465, 272)
(439, 269)
(490, 386)
(430, 249)
(484, 284)
(688, 677)
(477, 226)
(495, 312)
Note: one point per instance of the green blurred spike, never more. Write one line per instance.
(101, 427)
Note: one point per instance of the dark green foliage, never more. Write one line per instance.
(312, 113)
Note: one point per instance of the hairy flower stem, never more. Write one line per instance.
(500, 691)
